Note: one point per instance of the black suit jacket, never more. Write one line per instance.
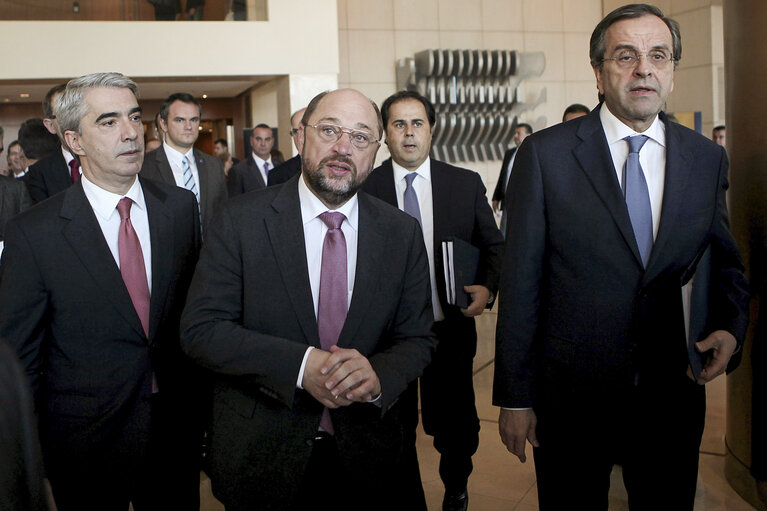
(285, 171)
(250, 318)
(460, 210)
(68, 315)
(212, 183)
(574, 293)
(14, 198)
(499, 194)
(246, 176)
(48, 176)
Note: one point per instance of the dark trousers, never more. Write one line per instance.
(166, 476)
(448, 409)
(653, 430)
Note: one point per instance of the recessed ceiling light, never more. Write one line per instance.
(23, 95)
(204, 96)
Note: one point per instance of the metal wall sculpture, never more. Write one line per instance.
(475, 95)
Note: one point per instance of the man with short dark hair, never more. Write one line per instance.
(17, 160)
(291, 167)
(253, 173)
(574, 111)
(609, 217)
(449, 203)
(719, 135)
(311, 303)
(178, 162)
(92, 285)
(58, 170)
(499, 194)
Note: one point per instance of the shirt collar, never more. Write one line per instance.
(261, 162)
(104, 203)
(312, 207)
(424, 170)
(616, 130)
(175, 156)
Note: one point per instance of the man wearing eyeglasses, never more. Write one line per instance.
(609, 216)
(291, 167)
(311, 305)
(448, 202)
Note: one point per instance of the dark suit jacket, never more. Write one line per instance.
(48, 176)
(574, 293)
(499, 194)
(68, 315)
(460, 210)
(250, 318)
(212, 183)
(285, 171)
(246, 176)
(14, 198)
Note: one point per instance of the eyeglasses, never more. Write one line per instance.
(629, 58)
(293, 132)
(331, 134)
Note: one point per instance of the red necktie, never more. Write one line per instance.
(74, 170)
(132, 264)
(334, 290)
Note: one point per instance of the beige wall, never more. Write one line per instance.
(374, 34)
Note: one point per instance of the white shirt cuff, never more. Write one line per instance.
(303, 366)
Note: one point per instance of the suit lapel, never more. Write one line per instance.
(384, 183)
(371, 237)
(86, 239)
(256, 173)
(677, 176)
(593, 155)
(160, 235)
(163, 166)
(203, 173)
(441, 201)
(286, 235)
(63, 178)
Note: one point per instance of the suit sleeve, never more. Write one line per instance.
(23, 302)
(521, 280)
(211, 330)
(488, 238)
(729, 295)
(412, 340)
(234, 181)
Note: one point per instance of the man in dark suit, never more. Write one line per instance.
(308, 382)
(58, 170)
(14, 199)
(451, 204)
(609, 215)
(499, 194)
(252, 173)
(92, 285)
(178, 163)
(291, 167)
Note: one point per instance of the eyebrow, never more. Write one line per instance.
(632, 47)
(360, 125)
(106, 115)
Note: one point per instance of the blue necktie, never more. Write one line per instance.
(638, 198)
(411, 199)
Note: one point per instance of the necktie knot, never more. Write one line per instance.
(636, 142)
(409, 178)
(74, 169)
(333, 219)
(185, 163)
(266, 166)
(123, 208)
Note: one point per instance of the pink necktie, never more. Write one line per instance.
(74, 170)
(132, 264)
(334, 289)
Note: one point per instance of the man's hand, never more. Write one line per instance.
(515, 427)
(314, 380)
(495, 206)
(722, 344)
(480, 295)
(350, 376)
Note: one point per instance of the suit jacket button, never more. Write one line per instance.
(309, 442)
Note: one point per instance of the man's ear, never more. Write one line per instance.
(72, 140)
(300, 139)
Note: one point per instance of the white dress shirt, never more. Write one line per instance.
(175, 158)
(422, 187)
(652, 156)
(260, 165)
(314, 237)
(104, 205)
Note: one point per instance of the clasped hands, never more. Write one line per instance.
(340, 377)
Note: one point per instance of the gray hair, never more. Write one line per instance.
(69, 105)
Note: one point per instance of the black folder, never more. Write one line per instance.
(460, 260)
